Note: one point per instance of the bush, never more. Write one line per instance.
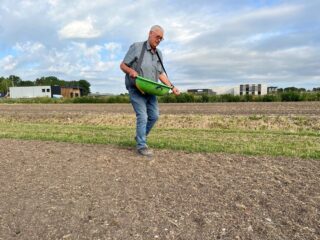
(313, 96)
(185, 98)
(204, 98)
(229, 98)
(270, 98)
(290, 96)
(170, 98)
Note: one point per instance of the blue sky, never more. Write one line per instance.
(207, 43)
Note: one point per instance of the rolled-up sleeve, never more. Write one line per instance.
(130, 56)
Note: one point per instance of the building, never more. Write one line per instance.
(243, 89)
(70, 92)
(30, 92)
(66, 92)
(201, 91)
(251, 89)
(45, 91)
(272, 89)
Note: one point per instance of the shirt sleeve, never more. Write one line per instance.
(130, 56)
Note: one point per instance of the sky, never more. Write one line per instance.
(207, 43)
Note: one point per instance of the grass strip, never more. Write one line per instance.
(267, 143)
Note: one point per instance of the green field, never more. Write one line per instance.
(248, 135)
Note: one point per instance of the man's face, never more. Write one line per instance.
(155, 37)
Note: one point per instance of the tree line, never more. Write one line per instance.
(15, 81)
(294, 89)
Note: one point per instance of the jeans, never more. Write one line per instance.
(147, 113)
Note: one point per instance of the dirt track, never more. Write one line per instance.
(72, 191)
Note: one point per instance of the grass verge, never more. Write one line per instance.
(269, 143)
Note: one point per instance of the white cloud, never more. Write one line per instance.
(80, 29)
(206, 42)
(8, 63)
(29, 47)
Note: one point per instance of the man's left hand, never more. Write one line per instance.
(175, 91)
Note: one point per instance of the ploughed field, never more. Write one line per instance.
(275, 108)
(67, 190)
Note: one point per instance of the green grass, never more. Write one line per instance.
(304, 144)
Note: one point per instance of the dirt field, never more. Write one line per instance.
(274, 108)
(72, 191)
(54, 190)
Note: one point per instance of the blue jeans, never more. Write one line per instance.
(147, 113)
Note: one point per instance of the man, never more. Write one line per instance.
(151, 67)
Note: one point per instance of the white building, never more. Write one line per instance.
(243, 89)
(30, 92)
(251, 89)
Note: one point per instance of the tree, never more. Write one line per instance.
(85, 85)
(316, 89)
(280, 90)
(51, 81)
(291, 89)
(15, 80)
(26, 83)
(302, 90)
(4, 85)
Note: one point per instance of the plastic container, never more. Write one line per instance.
(151, 87)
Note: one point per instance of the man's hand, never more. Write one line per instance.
(133, 73)
(175, 91)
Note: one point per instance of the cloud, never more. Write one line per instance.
(79, 29)
(207, 43)
(8, 63)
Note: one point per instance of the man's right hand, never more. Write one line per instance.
(133, 73)
(127, 70)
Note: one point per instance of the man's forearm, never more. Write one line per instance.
(125, 68)
(132, 73)
(164, 79)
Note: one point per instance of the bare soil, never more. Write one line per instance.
(52, 190)
(273, 108)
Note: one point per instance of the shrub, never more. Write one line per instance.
(185, 98)
(270, 98)
(204, 98)
(290, 96)
(170, 98)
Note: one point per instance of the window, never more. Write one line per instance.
(48, 89)
(43, 90)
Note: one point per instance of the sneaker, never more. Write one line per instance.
(145, 152)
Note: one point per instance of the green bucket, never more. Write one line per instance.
(151, 87)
